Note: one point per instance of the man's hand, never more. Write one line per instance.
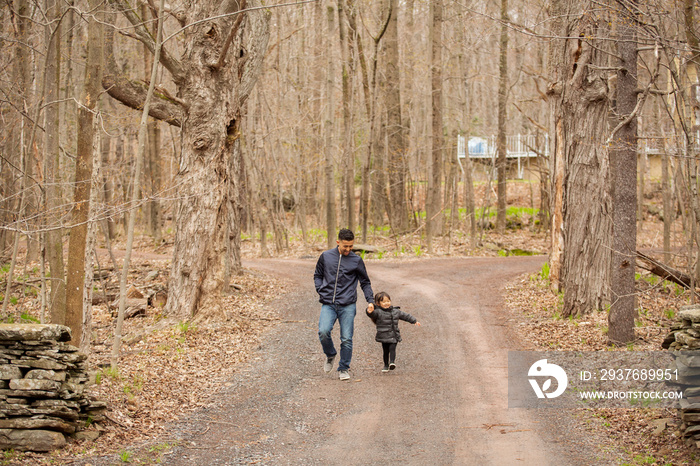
(370, 308)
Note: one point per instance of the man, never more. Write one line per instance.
(337, 272)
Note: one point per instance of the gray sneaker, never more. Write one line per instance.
(328, 365)
(343, 375)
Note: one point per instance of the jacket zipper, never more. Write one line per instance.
(337, 272)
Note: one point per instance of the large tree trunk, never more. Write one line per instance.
(501, 166)
(214, 94)
(623, 161)
(75, 276)
(396, 134)
(586, 204)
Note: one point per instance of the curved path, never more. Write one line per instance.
(445, 404)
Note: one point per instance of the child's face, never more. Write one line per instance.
(385, 302)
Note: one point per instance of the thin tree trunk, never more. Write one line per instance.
(347, 86)
(54, 235)
(396, 134)
(154, 217)
(623, 157)
(433, 210)
(143, 128)
(502, 115)
(668, 212)
(369, 80)
(640, 187)
(91, 241)
(75, 277)
(330, 182)
(469, 200)
(15, 246)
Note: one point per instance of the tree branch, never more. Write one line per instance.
(640, 102)
(229, 39)
(662, 270)
(133, 95)
(142, 34)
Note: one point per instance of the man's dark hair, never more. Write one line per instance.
(346, 235)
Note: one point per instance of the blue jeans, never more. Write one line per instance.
(345, 315)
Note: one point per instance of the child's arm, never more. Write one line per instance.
(408, 318)
(371, 314)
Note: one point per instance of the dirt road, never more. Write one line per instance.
(445, 404)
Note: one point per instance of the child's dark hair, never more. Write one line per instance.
(381, 295)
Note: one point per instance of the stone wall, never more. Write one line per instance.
(684, 340)
(43, 384)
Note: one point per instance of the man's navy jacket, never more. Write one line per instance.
(336, 278)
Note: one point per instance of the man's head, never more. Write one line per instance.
(346, 239)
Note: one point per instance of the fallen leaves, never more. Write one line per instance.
(535, 311)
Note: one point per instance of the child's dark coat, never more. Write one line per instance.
(387, 321)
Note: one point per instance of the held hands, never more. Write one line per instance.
(370, 308)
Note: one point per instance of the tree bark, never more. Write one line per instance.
(54, 235)
(663, 271)
(330, 182)
(347, 86)
(210, 133)
(501, 166)
(75, 276)
(90, 243)
(154, 220)
(623, 159)
(396, 137)
(587, 226)
(132, 94)
(135, 193)
(433, 208)
(668, 210)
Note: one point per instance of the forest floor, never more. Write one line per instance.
(195, 361)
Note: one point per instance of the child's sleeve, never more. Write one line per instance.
(407, 317)
(372, 315)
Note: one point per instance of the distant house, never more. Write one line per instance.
(522, 151)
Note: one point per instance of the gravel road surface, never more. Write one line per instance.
(446, 403)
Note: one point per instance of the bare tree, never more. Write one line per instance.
(433, 209)
(75, 274)
(396, 137)
(623, 160)
(328, 128)
(501, 150)
(347, 75)
(223, 48)
(54, 236)
(582, 228)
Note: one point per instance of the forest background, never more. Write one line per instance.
(272, 125)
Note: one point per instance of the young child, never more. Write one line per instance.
(386, 317)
